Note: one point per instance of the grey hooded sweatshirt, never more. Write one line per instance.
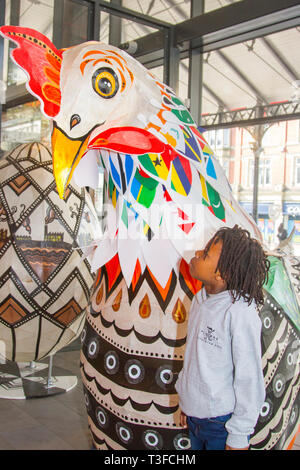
(222, 371)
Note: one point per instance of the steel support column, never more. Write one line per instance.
(196, 70)
(65, 32)
(94, 23)
(58, 19)
(14, 18)
(257, 149)
(257, 133)
(171, 61)
(115, 26)
(58, 16)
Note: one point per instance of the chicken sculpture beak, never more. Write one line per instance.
(66, 154)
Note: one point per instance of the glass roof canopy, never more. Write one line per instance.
(260, 71)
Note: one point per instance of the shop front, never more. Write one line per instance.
(265, 223)
(291, 212)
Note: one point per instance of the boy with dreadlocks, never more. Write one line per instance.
(221, 386)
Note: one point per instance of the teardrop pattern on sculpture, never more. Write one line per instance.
(117, 302)
(145, 307)
(99, 295)
(179, 312)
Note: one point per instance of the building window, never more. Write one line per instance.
(218, 138)
(264, 174)
(273, 136)
(224, 162)
(24, 123)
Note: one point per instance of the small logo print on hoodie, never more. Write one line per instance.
(209, 336)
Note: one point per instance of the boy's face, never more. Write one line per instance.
(203, 266)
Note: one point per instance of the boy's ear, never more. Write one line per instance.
(219, 277)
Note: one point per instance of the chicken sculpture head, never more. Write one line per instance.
(166, 195)
(108, 110)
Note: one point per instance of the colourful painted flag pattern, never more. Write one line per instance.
(181, 175)
(192, 148)
(181, 112)
(143, 189)
(121, 169)
(171, 168)
(113, 193)
(212, 199)
(155, 164)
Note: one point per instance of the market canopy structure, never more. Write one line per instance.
(246, 48)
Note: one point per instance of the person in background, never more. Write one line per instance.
(221, 387)
(282, 233)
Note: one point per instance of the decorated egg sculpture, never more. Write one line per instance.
(44, 282)
(166, 195)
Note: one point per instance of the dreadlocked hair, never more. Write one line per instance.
(243, 264)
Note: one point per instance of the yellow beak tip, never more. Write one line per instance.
(66, 155)
(61, 190)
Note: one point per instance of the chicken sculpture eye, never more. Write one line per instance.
(105, 82)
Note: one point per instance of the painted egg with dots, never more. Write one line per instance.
(44, 281)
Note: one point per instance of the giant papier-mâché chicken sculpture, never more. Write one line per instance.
(166, 195)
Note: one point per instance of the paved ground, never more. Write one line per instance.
(51, 423)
